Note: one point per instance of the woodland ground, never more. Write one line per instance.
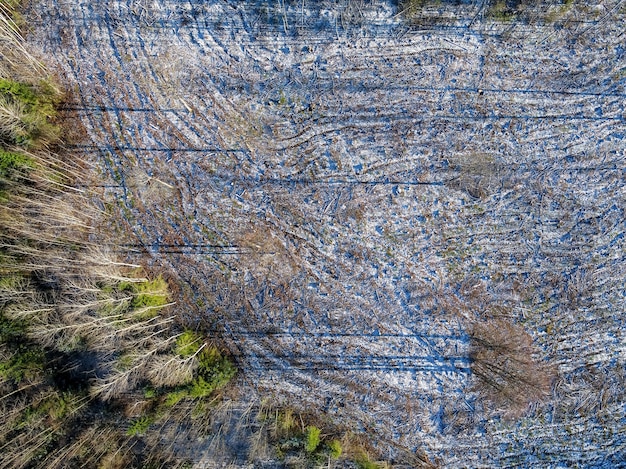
(411, 223)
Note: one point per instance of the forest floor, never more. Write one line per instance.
(355, 202)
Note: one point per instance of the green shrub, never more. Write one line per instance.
(139, 426)
(188, 344)
(286, 421)
(289, 445)
(26, 363)
(27, 113)
(215, 368)
(150, 294)
(57, 406)
(204, 385)
(499, 11)
(214, 372)
(12, 330)
(411, 9)
(201, 388)
(312, 439)
(19, 91)
(124, 362)
(335, 449)
(11, 162)
(363, 461)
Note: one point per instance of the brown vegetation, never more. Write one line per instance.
(83, 336)
(510, 375)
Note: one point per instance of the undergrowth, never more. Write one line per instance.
(27, 114)
(307, 440)
(89, 348)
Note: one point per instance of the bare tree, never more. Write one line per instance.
(509, 373)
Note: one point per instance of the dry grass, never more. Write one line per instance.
(18, 63)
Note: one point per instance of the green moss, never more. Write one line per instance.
(153, 300)
(147, 298)
(366, 464)
(174, 397)
(147, 314)
(12, 4)
(282, 99)
(16, 17)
